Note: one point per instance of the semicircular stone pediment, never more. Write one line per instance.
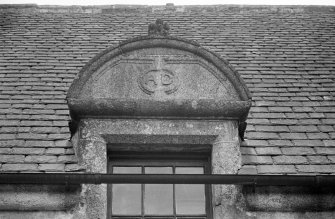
(158, 76)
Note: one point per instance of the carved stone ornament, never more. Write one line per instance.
(158, 28)
(177, 77)
(160, 80)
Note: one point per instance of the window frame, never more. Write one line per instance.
(152, 159)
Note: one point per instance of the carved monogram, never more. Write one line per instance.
(160, 80)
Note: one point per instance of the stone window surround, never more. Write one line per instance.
(219, 136)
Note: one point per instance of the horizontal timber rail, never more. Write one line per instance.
(86, 178)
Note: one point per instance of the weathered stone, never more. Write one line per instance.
(289, 199)
(123, 93)
(159, 28)
(38, 198)
(168, 78)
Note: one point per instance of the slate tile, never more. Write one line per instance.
(63, 143)
(40, 159)
(31, 123)
(318, 160)
(262, 135)
(280, 109)
(28, 150)
(326, 128)
(318, 135)
(67, 159)
(248, 169)
(298, 151)
(69, 151)
(280, 143)
(293, 135)
(7, 136)
(59, 136)
(73, 168)
(304, 128)
(316, 168)
(19, 167)
(29, 136)
(325, 150)
(52, 167)
(55, 151)
(12, 158)
(255, 143)
(275, 169)
(331, 159)
(249, 159)
(9, 122)
(268, 150)
(310, 143)
(329, 143)
(36, 143)
(248, 150)
(284, 121)
(272, 128)
(290, 160)
(328, 121)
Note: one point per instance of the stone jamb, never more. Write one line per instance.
(96, 134)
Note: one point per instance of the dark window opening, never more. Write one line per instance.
(144, 201)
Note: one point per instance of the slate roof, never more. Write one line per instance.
(285, 54)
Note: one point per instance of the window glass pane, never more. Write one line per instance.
(189, 170)
(158, 198)
(158, 170)
(127, 170)
(190, 199)
(126, 198)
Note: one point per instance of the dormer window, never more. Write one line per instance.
(168, 94)
(159, 200)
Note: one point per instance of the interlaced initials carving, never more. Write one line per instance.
(158, 79)
(158, 28)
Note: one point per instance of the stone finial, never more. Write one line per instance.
(158, 28)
